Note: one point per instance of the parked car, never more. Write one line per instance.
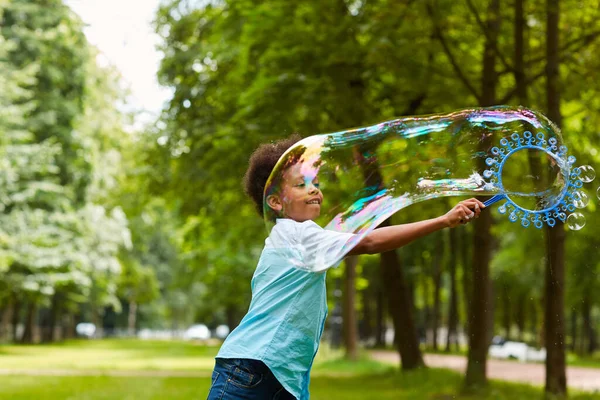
(85, 329)
(197, 332)
(161, 334)
(222, 331)
(516, 350)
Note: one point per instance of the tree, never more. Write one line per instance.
(453, 319)
(349, 309)
(479, 316)
(48, 34)
(59, 251)
(556, 380)
(31, 191)
(479, 327)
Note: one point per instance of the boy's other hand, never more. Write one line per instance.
(464, 212)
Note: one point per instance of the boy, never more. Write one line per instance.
(270, 354)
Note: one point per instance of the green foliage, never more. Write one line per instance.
(242, 77)
(48, 34)
(59, 129)
(247, 72)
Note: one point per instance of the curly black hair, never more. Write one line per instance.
(262, 162)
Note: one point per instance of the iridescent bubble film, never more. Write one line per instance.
(367, 174)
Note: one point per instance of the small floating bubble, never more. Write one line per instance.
(580, 199)
(588, 173)
(598, 193)
(576, 221)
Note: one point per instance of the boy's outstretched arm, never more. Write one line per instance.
(392, 237)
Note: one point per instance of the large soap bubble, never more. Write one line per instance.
(367, 174)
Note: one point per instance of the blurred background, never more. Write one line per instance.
(127, 244)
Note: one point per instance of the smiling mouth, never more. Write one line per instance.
(314, 202)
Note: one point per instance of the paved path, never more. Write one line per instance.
(577, 377)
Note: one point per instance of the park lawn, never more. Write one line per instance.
(148, 365)
(110, 354)
(589, 361)
(431, 384)
(151, 355)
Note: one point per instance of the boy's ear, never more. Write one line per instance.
(274, 202)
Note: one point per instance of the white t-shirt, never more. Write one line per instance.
(318, 249)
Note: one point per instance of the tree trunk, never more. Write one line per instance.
(588, 326)
(49, 320)
(574, 330)
(5, 318)
(556, 380)
(520, 75)
(437, 283)
(478, 324)
(479, 329)
(68, 324)
(96, 318)
(365, 331)
(349, 309)
(132, 317)
(380, 319)
(16, 317)
(507, 309)
(396, 291)
(581, 340)
(399, 308)
(453, 304)
(55, 316)
(231, 317)
(521, 315)
(539, 329)
(466, 273)
(29, 323)
(519, 72)
(427, 314)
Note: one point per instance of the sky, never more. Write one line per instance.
(122, 31)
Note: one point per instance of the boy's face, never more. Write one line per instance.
(299, 198)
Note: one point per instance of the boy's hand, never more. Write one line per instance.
(464, 212)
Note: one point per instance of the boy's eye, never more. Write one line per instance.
(303, 184)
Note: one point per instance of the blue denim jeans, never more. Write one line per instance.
(240, 378)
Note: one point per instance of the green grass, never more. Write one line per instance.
(590, 361)
(333, 377)
(423, 384)
(332, 362)
(110, 355)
